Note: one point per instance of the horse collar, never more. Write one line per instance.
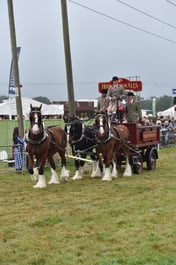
(35, 142)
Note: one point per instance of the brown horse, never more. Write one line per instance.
(43, 143)
(111, 139)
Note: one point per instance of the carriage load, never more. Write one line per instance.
(144, 139)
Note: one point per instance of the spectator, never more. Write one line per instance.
(102, 101)
(133, 109)
(18, 143)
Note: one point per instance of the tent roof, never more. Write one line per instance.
(8, 107)
(167, 112)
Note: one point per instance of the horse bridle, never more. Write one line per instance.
(102, 141)
(44, 135)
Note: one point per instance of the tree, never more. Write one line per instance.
(3, 98)
(162, 103)
(44, 100)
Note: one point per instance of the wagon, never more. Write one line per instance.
(143, 145)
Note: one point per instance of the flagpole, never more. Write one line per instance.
(15, 68)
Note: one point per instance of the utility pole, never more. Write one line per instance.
(70, 89)
(15, 68)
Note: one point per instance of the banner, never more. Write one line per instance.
(135, 86)
(11, 77)
(174, 91)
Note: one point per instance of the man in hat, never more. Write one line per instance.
(116, 94)
(102, 101)
(133, 109)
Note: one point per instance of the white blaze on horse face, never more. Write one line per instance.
(101, 129)
(35, 127)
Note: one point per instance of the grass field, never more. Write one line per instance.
(129, 221)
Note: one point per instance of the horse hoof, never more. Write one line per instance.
(39, 186)
(65, 178)
(53, 182)
(115, 176)
(106, 179)
(34, 178)
(77, 177)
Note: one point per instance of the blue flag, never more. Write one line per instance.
(174, 91)
(11, 77)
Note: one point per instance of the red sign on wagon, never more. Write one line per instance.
(135, 86)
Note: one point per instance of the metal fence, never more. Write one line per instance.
(167, 138)
(7, 162)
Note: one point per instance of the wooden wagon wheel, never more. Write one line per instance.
(137, 164)
(151, 156)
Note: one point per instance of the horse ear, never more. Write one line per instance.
(31, 106)
(40, 107)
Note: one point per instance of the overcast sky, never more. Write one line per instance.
(107, 38)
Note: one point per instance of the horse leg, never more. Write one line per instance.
(42, 179)
(128, 170)
(54, 177)
(96, 170)
(97, 167)
(114, 169)
(34, 174)
(64, 172)
(107, 176)
(79, 164)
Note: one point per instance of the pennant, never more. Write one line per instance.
(11, 77)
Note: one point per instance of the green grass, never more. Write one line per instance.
(129, 221)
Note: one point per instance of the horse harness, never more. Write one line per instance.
(83, 135)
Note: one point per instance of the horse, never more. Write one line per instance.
(112, 138)
(42, 144)
(82, 141)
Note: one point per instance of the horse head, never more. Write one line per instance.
(74, 128)
(102, 127)
(35, 117)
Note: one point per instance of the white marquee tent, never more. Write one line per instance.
(168, 112)
(8, 107)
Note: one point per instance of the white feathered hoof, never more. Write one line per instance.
(41, 182)
(54, 180)
(114, 173)
(54, 177)
(35, 175)
(34, 178)
(128, 171)
(114, 170)
(64, 174)
(96, 172)
(107, 176)
(77, 175)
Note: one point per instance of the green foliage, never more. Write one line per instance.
(44, 100)
(2, 98)
(162, 103)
